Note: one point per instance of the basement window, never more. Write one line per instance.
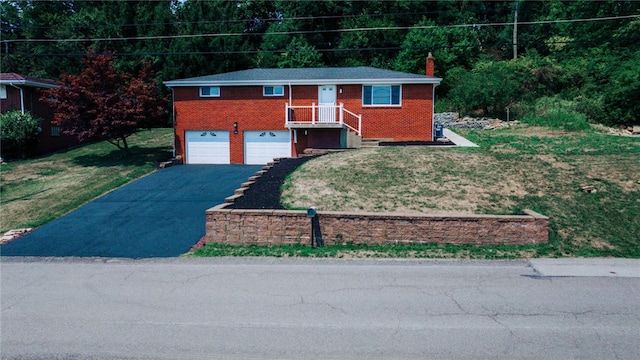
(273, 91)
(380, 95)
(210, 91)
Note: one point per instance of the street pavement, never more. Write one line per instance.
(159, 215)
(265, 308)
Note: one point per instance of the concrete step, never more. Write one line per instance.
(372, 142)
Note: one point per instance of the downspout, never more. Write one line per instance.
(173, 120)
(433, 112)
(21, 97)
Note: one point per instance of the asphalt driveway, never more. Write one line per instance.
(160, 215)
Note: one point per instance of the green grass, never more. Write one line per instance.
(542, 168)
(36, 191)
(426, 251)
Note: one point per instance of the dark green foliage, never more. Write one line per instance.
(592, 63)
(18, 134)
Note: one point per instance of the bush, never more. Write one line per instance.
(556, 113)
(18, 134)
(558, 119)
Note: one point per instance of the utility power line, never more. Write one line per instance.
(165, 37)
(335, 50)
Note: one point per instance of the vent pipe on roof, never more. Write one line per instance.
(430, 68)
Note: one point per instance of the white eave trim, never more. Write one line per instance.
(192, 83)
(28, 83)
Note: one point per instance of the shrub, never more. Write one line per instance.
(18, 134)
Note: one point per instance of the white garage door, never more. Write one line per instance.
(260, 147)
(207, 147)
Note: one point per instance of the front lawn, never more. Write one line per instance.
(523, 167)
(36, 191)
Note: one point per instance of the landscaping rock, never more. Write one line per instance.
(13, 234)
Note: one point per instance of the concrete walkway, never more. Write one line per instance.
(457, 139)
(587, 267)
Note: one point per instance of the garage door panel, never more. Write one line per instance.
(208, 147)
(262, 147)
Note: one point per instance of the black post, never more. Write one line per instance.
(312, 233)
(316, 229)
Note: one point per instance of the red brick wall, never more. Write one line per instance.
(39, 109)
(244, 105)
(252, 111)
(275, 227)
(411, 121)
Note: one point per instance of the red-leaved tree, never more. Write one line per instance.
(102, 103)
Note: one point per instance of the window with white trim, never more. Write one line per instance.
(380, 95)
(210, 91)
(273, 91)
(3, 91)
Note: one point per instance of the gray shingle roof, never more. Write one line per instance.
(306, 76)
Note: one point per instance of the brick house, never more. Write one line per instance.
(253, 116)
(20, 92)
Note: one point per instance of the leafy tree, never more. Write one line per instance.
(489, 86)
(102, 103)
(18, 133)
(385, 40)
(452, 47)
(299, 54)
(621, 98)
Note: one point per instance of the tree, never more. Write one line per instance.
(490, 86)
(452, 46)
(102, 103)
(18, 133)
(621, 98)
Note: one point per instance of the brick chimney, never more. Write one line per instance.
(430, 65)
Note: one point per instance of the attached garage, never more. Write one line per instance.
(261, 147)
(207, 147)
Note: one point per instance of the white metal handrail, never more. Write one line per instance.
(317, 114)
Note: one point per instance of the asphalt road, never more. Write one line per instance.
(327, 309)
(159, 215)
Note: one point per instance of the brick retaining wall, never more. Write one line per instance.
(278, 227)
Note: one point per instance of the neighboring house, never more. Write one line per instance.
(19, 92)
(253, 116)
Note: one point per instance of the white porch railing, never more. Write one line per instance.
(320, 114)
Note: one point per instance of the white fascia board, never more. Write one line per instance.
(193, 83)
(28, 83)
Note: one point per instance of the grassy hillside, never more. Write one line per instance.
(540, 168)
(36, 191)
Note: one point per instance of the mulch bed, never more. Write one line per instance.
(265, 193)
(416, 143)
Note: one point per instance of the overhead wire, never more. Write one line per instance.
(299, 32)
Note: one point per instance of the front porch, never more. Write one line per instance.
(322, 116)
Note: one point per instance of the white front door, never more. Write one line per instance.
(327, 103)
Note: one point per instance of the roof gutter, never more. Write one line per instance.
(257, 82)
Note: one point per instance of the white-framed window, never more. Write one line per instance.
(210, 91)
(273, 91)
(55, 131)
(3, 91)
(381, 95)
